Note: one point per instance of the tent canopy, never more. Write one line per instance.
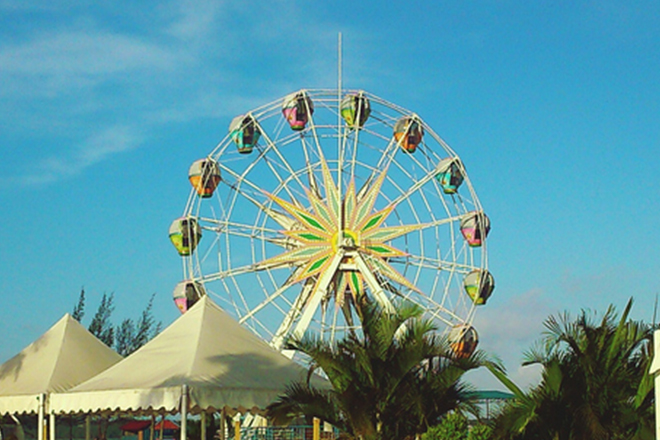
(66, 355)
(222, 364)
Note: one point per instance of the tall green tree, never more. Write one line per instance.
(595, 382)
(101, 325)
(392, 380)
(79, 309)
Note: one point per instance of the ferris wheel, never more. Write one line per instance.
(315, 201)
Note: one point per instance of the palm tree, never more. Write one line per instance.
(595, 382)
(393, 380)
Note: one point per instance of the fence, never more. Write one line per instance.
(283, 433)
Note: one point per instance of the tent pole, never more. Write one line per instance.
(223, 423)
(202, 422)
(51, 425)
(162, 426)
(88, 427)
(40, 417)
(184, 410)
(237, 429)
(151, 429)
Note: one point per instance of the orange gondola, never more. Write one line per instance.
(463, 340)
(204, 176)
(408, 133)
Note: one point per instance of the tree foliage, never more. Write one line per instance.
(480, 431)
(126, 337)
(132, 335)
(394, 380)
(455, 426)
(79, 308)
(101, 326)
(595, 382)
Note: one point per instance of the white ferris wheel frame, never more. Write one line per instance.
(412, 189)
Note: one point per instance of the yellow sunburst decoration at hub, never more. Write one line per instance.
(318, 236)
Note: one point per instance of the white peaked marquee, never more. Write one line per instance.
(66, 355)
(203, 361)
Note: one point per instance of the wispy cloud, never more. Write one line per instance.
(96, 148)
(55, 64)
(189, 60)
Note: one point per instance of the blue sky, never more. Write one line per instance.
(553, 107)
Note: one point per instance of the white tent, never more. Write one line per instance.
(66, 355)
(203, 361)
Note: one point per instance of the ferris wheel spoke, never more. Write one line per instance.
(356, 140)
(383, 163)
(330, 188)
(276, 294)
(376, 288)
(417, 185)
(283, 220)
(443, 314)
(427, 262)
(232, 227)
(318, 293)
(312, 130)
(296, 309)
(311, 177)
(285, 163)
(229, 273)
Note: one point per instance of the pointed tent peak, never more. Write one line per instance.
(214, 318)
(62, 357)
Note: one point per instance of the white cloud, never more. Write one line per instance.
(510, 328)
(193, 20)
(96, 148)
(54, 64)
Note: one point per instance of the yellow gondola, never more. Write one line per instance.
(479, 285)
(185, 234)
(355, 109)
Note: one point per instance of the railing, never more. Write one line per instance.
(283, 433)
